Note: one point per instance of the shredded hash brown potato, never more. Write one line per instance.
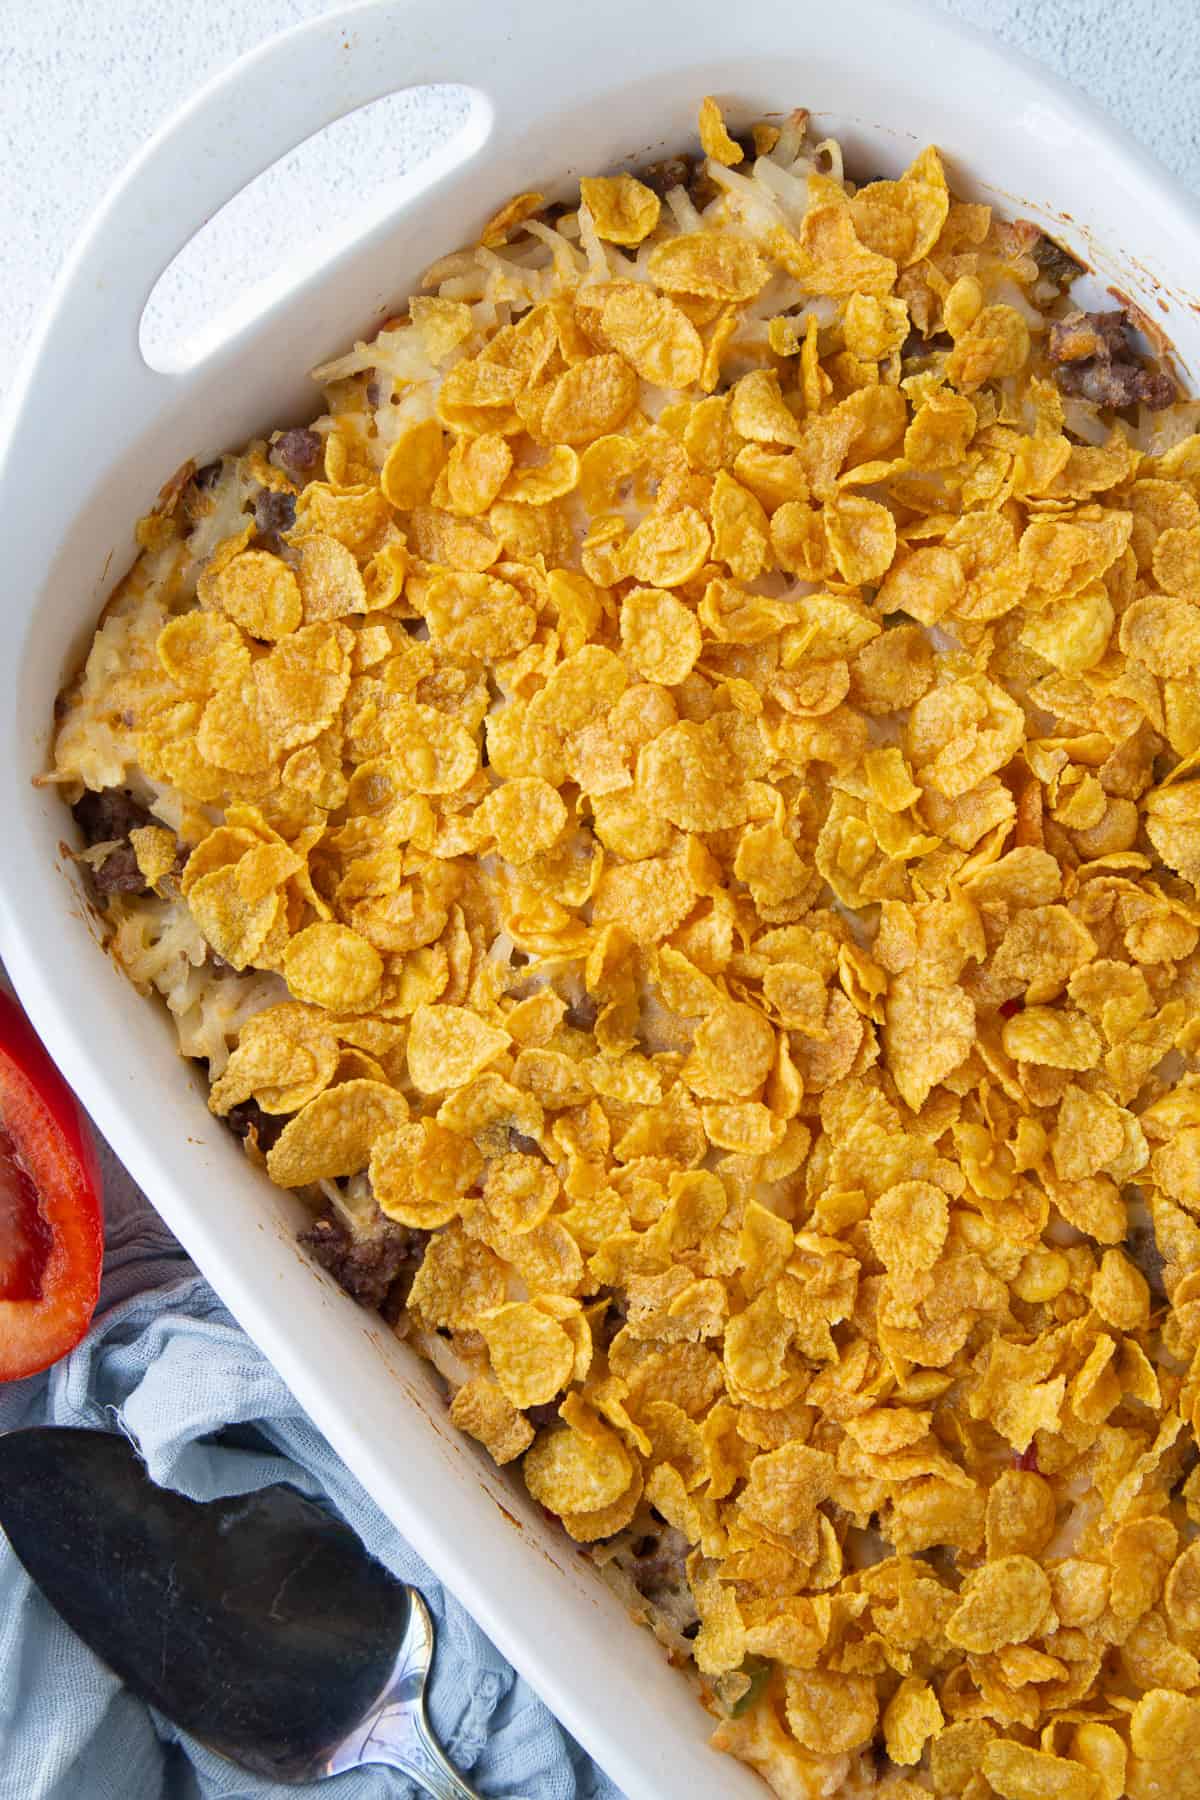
(671, 815)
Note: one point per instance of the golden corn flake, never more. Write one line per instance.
(300, 685)
(589, 400)
(759, 411)
(475, 472)
(449, 1045)
(624, 210)
(328, 965)
(459, 1278)
(1060, 1040)
(578, 1470)
(156, 851)
(912, 1717)
(732, 1052)
(908, 1227)
(660, 635)
(236, 924)
(420, 1172)
(708, 263)
(940, 432)
(1182, 1594)
(357, 516)
(1019, 1773)
(526, 816)
(1021, 1512)
(482, 1410)
(440, 536)
(928, 1030)
(331, 584)
(1073, 633)
(1102, 1750)
(995, 345)
(603, 1521)
(715, 140)
(696, 774)
(828, 256)
(520, 1190)
(532, 1356)
(654, 335)
(666, 552)
(433, 753)
(333, 1135)
(862, 537)
(955, 1752)
(741, 530)
(256, 591)
(1165, 1727)
(202, 651)
(1005, 1602)
(478, 616)
(513, 213)
(1172, 817)
(412, 464)
(926, 583)
(831, 1714)
(874, 327)
(1176, 561)
(1163, 632)
(537, 484)
(441, 325)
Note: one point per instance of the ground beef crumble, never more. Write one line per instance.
(1094, 359)
(113, 813)
(670, 172)
(544, 1414)
(248, 1120)
(298, 451)
(273, 513)
(1141, 1245)
(368, 1267)
(1055, 264)
(582, 1014)
(656, 1563)
(106, 817)
(613, 1318)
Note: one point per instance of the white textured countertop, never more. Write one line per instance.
(83, 84)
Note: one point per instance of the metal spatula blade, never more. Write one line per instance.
(258, 1623)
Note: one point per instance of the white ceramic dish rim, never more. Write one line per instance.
(90, 433)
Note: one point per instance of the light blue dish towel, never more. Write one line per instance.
(165, 1363)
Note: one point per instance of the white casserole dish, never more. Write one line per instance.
(92, 433)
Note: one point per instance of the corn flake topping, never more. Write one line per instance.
(673, 814)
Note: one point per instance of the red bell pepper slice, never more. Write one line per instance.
(51, 1219)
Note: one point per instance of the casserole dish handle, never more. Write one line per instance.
(245, 119)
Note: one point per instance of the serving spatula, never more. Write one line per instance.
(259, 1624)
